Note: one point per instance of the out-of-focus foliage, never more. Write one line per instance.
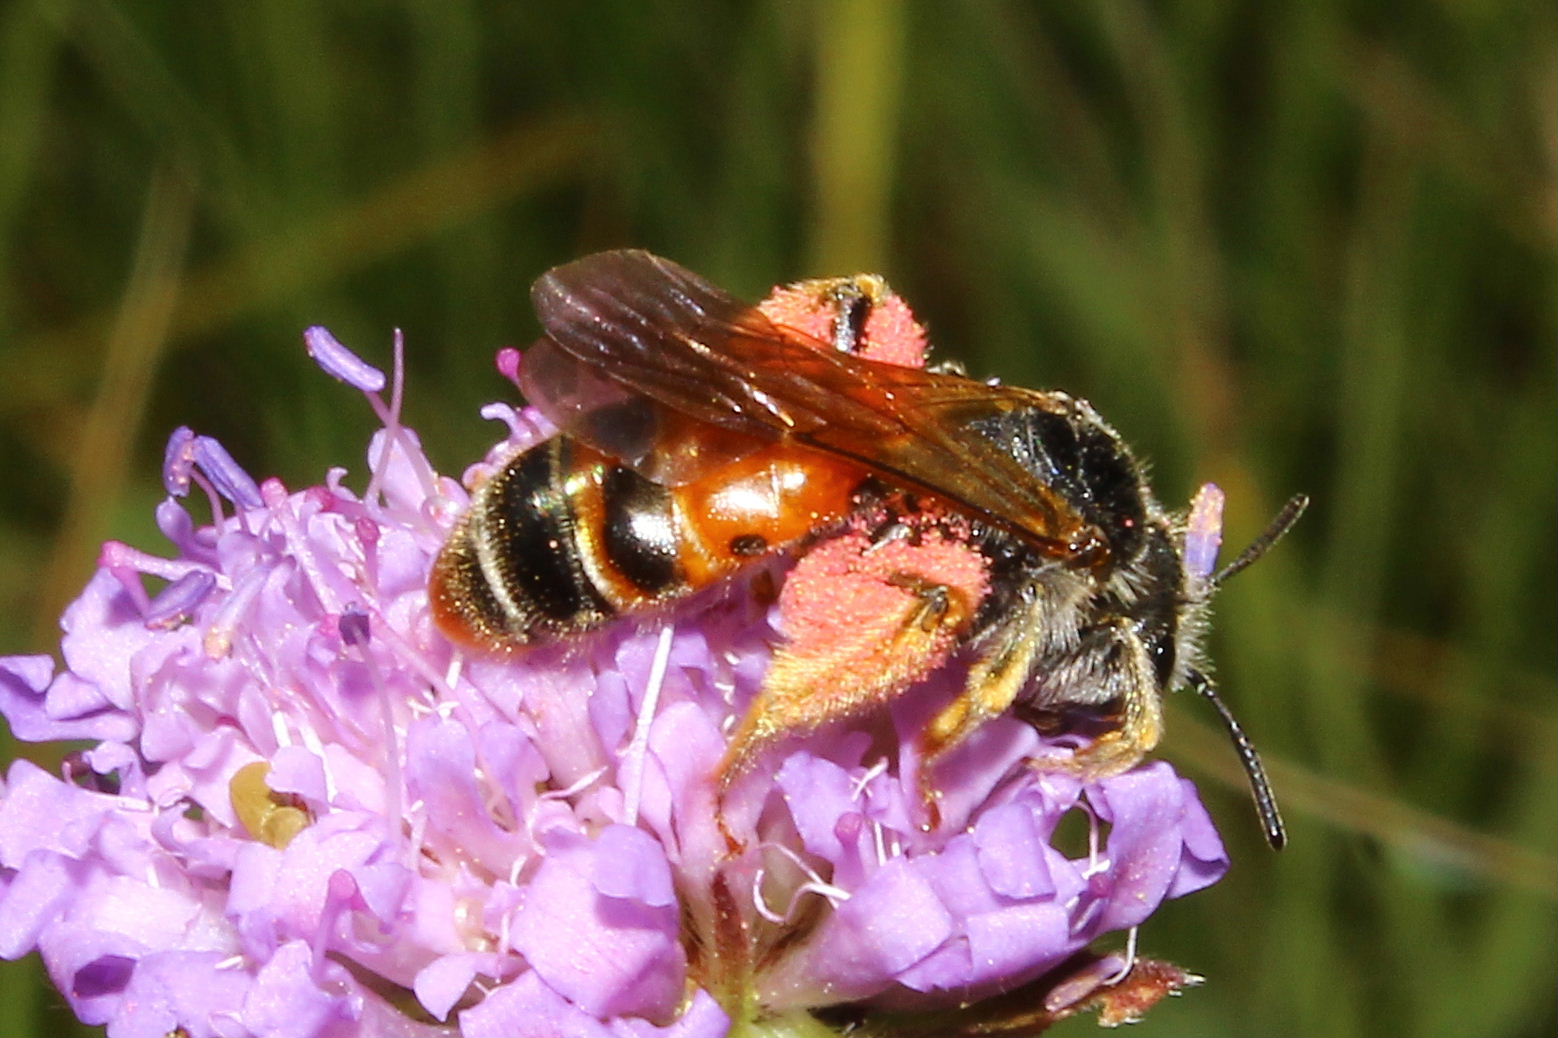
(1283, 246)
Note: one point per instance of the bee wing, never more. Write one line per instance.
(649, 362)
(637, 363)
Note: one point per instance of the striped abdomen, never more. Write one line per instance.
(563, 538)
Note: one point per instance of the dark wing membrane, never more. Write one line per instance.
(663, 444)
(643, 357)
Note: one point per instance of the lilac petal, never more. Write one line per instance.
(40, 812)
(103, 633)
(528, 1008)
(1023, 939)
(891, 923)
(286, 1000)
(30, 675)
(1006, 838)
(179, 989)
(145, 916)
(818, 793)
(310, 865)
(610, 709)
(957, 875)
(441, 772)
(1205, 860)
(67, 695)
(610, 956)
(35, 897)
(71, 699)
(287, 893)
(298, 770)
(403, 476)
(340, 362)
(1146, 846)
(514, 763)
(29, 708)
(444, 982)
(687, 743)
(90, 967)
(969, 774)
(703, 1018)
(229, 478)
(381, 890)
(630, 864)
(113, 758)
(567, 740)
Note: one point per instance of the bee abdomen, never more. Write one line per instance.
(558, 542)
(639, 535)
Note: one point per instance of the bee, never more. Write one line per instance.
(1009, 526)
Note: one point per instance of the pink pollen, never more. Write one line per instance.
(892, 335)
(843, 590)
(795, 307)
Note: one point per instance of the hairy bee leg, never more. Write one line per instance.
(989, 693)
(803, 690)
(992, 686)
(1141, 717)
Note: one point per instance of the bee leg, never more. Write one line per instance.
(834, 675)
(1133, 682)
(994, 680)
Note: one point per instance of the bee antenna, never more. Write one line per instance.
(1261, 545)
(1260, 786)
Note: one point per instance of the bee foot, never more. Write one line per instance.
(1109, 754)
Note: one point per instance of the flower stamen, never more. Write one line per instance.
(638, 749)
(814, 884)
(1130, 959)
(234, 611)
(395, 434)
(860, 784)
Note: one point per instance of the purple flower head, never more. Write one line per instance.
(305, 812)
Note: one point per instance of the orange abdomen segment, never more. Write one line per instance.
(760, 503)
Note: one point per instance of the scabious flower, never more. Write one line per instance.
(303, 812)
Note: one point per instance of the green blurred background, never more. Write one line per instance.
(1282, 246)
